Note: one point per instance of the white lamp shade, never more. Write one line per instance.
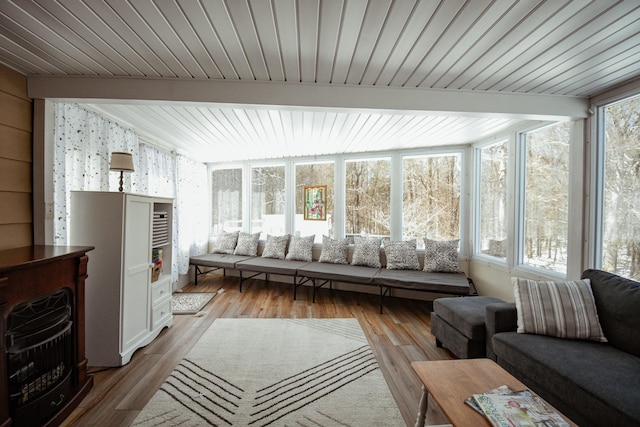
(121, 162)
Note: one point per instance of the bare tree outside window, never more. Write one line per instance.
(546, 197)
(267, 200)
(368, 197)
(492, 198)
(621, 213)
(226, 209)
(431, 198)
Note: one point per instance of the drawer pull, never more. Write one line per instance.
(59, 402)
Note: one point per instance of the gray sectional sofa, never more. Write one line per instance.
(319, 274)
(592, 383)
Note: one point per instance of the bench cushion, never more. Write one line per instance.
(450, 283)
(339, 272)
(218, 260)
(271, 266)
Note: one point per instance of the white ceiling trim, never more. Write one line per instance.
(272, 94)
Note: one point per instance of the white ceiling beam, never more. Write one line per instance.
(387, 99)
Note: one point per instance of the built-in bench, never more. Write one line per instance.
(320, 274)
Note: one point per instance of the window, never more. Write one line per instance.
(226, 185)
(546, 198)
(620, 247)
(313, 174)
(492, 200)
(431, 197)
(367, 197)
(268, 200)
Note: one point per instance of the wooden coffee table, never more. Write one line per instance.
(450, 382)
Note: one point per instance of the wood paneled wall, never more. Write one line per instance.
(16, 161)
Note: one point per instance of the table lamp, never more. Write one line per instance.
(122, 162)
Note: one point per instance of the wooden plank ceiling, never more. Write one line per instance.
(528, 47)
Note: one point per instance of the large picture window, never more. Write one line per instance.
(368, 197)
(431, 197)
(314, 174)
(620, 252)
(226, 197)
(546, 198)
(492, 200)
(268, 200)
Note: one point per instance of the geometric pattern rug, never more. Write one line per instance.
(190, 302)
(276, 372)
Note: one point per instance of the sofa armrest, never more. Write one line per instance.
(500, 317)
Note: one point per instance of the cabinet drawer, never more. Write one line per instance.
(160, 313)
(160, 289)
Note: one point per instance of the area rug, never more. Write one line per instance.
(276, 372)
(190, 302)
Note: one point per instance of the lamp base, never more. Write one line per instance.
(121, 182)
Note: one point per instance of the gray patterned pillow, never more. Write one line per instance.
(441, 256)
(225, 243)
(276, 246)
(401, 255)
(366, 251)
(247, 244)
(301, 248)
(334, 251)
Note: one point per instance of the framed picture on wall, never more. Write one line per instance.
(315, 200)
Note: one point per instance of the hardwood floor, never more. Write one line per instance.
(398, 337)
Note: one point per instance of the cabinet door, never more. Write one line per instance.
(137, 271)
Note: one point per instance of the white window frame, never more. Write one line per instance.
(593, 252)
(476, 194)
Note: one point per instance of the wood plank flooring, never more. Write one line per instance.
(398, 337)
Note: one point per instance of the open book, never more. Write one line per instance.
(504, 407)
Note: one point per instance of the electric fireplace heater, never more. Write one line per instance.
(39, 351)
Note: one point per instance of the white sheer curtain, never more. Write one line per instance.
(191, 211)
(156, 173)
(83, 143)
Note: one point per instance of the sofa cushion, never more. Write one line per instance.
(401, 255)
(561, 309)
(366, 252)
(618, 301)
(276, 246)
(334, 251)
(301, 248)
(593, 383)
(225, 243)
(441, 256)
(247, 244)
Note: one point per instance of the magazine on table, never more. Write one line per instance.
(504, 407)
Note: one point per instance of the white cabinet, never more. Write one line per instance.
(125, 306)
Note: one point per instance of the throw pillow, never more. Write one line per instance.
(401, 255)
(559, 309)
(441, 256)
(334, 251)
(276, 246)
(366, 252)
(247, 244)
(301, 248)
(225, 243)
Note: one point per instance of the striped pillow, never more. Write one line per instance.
(559, 309)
